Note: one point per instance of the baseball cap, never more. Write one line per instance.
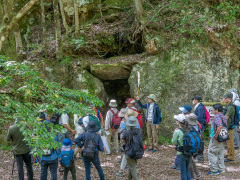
(185, 109)
(179, 117)
(228, 95)
(130, 100)
(197, 98)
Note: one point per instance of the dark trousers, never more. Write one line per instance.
(72, 170)
(184, 162)
(53, 165)
(96, 162)
(28, 161)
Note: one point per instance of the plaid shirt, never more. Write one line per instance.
(218, 121)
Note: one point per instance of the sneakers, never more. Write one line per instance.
(174, 167)
(154, 150)
(149, 150)
(116, 151)
(225, 156)
(119, 174)
(199, 175)
(227, 160)
(212, 173)
(119, 161)
(61, 169)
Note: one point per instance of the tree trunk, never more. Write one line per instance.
(44, 28)
(138, 11)
(18, 40)
(59, 52)
(6, 28)
(67, 28)
(76, 17)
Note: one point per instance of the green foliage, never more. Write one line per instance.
(24, 93)
(164, 140)
(5, 148)
(78, 43)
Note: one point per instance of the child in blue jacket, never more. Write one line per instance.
(67, 159)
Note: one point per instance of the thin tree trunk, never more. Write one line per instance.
(76, 17)
(67, 28)
(6, 28)
(8, 5)
(18, 40)
(59, 53)
(138, 11)
(44, 28)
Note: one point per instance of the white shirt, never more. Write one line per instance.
(79, 129)
(150, 112)
(64, 119)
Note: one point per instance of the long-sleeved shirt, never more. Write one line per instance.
(19, 145)
(109, 118)
(200, 112)
(177, 139)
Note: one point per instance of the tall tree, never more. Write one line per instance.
(43, 19)
(59, 52)
(138, 11)
(18, 39)
(7, 25)
(67, 28)
(76, 17)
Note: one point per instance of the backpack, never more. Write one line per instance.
(193, 142)
(95, 119)
(207, 115)
(89, 147)
(116, 120)
(47, 152)
(236, 116)
(55, 118)
(139, 118)
(98, 114)
(66, 160)
(135, 149)
(223, 135)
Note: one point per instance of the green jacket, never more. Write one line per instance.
(231, 113)
(19, 145)
(178, 138)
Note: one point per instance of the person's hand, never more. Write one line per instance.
(103, 125)
(137, 97)
(157, 126)
(214, 137)
(74, 132)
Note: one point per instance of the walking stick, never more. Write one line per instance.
(138, 73)
(14, 159)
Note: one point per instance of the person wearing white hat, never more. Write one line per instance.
(111, 132)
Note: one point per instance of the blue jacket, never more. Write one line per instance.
(156, 112)
(200, 113)
(71, 153)
(80, 140)
(54, 154)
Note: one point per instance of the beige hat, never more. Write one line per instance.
(191, 119)
(122, 112)
(131, 112)
(113, 103)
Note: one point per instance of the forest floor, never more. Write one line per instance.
(153, 166)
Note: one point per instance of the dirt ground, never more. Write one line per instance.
(153, 166)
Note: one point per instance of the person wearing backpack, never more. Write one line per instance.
(125, 127)
(112, 123)
(229, 112)
(193, 123)
(64, 121)
(67, 160)
(98, 114)
(92, 143)
(153, 118)
(92, 117)
(216, 148)
(177, 139)
(199, 111)
(21, 151)
(133, 146)
(79, 128)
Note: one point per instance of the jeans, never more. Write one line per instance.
(203, 124)
(28, 161)
(53, 165)
(96, 162)
(236, 137)
(193, 168)
(72, 170)
(183, 162)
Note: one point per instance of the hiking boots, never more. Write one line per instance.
(119, 174)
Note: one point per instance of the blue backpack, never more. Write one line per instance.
(193, 142)
(66, 160)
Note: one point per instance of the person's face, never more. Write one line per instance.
(215, 111)
(129, 105)
(150, 100)
(195, 101)
(227, 100)
(93, 108)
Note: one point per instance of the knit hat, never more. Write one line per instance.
(228, 95)
(122, 112)
(191, 119)
(152, 96)
(67, 142)
(130, 100)
(179, 117)
(197, 98)
(132, 121)
(113, 103)
(80, 121)
(92, 127)
(130, 113)
(185, 109)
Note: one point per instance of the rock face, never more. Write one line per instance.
(177, 78)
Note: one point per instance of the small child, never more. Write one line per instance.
(79, 128)
(67, 160)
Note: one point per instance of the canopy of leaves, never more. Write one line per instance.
(24, 93)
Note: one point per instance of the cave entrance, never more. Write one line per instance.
(119, 90)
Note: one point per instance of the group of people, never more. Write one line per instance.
(87, 136)
(224, 130)
(124, 128)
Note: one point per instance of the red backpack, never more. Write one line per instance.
(139, 117)
(116, 120)
(207, 115)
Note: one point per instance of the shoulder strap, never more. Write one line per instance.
(112, 111)
(98, 113)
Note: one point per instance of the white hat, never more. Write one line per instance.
(122, 112)
(131, 112)
(113, 103)
(179, 117)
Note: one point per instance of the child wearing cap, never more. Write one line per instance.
(66, 157)
(183, 160)
(153, 118)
